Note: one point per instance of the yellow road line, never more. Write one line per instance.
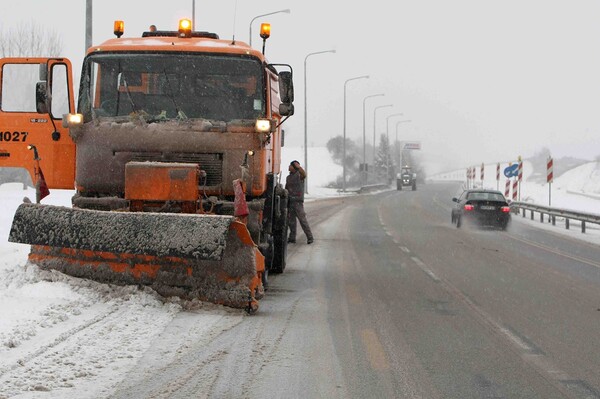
(375, 351)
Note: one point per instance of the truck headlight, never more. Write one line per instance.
(72, 120)
(263, 125)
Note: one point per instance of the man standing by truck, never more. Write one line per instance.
(294, 183)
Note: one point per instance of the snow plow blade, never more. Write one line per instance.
(209, 257)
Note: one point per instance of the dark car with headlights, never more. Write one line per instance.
(481, 207)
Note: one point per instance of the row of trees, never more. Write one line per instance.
(381, 169)
(30, 40)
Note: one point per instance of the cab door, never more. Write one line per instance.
(34, 95)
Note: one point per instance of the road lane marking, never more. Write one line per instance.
(516, 339)
(527, 351)
(405, 250)
(554, 251)
(374, 349)
(423, 267)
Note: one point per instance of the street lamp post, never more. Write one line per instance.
(398, 150)
(88, 24)
(306, 118)
(365, 137)
(374, 127)
(387, 135)
(387, 124)
(287, 11)
(344, 141)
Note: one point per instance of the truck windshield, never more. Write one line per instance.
(172, 86)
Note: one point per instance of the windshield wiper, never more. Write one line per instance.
(133, 107)
(180, 114)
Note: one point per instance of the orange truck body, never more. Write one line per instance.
(169, 122)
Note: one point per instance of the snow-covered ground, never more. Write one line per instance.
(105, 328)
(61, 337)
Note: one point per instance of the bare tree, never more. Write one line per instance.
(29, 40)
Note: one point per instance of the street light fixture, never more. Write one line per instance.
(365, 137)
(387, 135)
(287, 11)
(398, 150)
(344, 141)
(374, 126)
(387, 124)
(306, 118)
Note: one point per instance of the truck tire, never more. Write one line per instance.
(280, 229)
(268, 254)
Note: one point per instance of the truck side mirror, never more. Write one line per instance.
(286, 109)
(286, 87)
(41, 98)
(43, 72)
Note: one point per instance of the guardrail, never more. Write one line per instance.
(372, 187)
(553, 213)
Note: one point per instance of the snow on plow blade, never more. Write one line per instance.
(210, 257)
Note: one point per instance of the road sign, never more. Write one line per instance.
(412, 145)
(511, 170)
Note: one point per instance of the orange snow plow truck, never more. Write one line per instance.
(175, 156)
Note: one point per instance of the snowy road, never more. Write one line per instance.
(390, 301)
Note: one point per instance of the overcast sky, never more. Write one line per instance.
(481, 81)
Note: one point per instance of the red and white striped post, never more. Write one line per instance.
(472, 174)
(482, 169)
(550, 178)
(498, 176)
(468, 176)
(507, 189)
(515, 188)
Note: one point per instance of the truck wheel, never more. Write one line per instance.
(268, 254)
(280, 228)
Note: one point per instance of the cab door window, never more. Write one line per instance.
(59, 89)
(18, 87)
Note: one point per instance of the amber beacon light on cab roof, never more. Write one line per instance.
(175, 155)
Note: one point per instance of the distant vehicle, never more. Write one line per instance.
(406, 177)
(481, 207)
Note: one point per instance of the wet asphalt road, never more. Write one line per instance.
(393, 301)
(415, 307)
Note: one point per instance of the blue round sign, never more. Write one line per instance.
(512, 170)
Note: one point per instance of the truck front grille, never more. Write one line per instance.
(211, 163)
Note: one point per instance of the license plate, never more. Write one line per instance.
(487, 208)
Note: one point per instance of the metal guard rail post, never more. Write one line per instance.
(553, 213)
